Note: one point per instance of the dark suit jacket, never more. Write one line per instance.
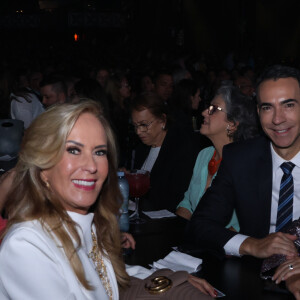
(172, 171)
(243, 183)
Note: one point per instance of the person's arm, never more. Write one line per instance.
(274, 243)
(184, 208)
(127, 240)
(184, 213)
(30, 269)
(197, 184)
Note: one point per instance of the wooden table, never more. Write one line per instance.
(238, 278)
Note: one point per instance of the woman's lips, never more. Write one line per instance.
(86, 184)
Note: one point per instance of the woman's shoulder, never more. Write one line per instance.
(206, 152)
(203, 158)
(28, 231)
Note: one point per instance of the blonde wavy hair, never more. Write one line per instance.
(42, 148)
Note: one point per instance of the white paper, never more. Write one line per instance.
(178, 261)
(158, 214)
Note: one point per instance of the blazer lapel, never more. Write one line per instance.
(265, 177)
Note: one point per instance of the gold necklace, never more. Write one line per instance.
(96, 257)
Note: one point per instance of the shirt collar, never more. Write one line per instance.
(278, 160)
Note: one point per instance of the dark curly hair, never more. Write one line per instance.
(241, 110)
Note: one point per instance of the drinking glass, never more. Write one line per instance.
(139, 184)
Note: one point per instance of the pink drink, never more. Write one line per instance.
(138, 184)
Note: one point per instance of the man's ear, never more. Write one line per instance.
(258, 108)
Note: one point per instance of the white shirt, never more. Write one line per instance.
(24, 110)
(34, 267)
(233, 245)
(151, 159)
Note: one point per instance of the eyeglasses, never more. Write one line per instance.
(142, 127)
(213, 108)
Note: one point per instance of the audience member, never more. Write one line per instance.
(231, 117)
(53, 208)
(91, 89)
(146, 84)
(118, 93)
(34, 79)
(185, 103)
(245, 85)
(62, 230)
(102, 76)
(249, 181)
(168, 154)
(163, 85)
(53, 90)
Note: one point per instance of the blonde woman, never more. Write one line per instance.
(62, 239)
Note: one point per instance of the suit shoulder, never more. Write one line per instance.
(254, 145)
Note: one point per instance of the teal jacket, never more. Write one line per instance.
(197, 185)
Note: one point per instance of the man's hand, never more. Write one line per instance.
(274, 243)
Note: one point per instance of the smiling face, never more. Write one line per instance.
(78, 177)
(215, 126)
(279, 113)
(155, 134)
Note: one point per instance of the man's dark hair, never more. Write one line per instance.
(161, 72)
(57, 83)
(276, 72)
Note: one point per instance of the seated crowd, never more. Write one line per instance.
(220, 154)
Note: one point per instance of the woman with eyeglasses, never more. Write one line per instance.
(231, 117)
(167, 153)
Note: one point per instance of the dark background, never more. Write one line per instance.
(261, 28)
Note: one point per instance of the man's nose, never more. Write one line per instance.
(278, 116)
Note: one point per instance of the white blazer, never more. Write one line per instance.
(32, 266)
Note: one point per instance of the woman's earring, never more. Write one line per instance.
(47, 184)
(228, 130)
(163, 127)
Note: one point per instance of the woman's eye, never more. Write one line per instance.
(73, 150)
(101, 152)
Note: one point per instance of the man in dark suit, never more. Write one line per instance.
(249, 180)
